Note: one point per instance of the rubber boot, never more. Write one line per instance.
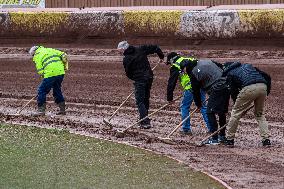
(40, 110)
(61, 111)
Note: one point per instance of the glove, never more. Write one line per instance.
(65, 61)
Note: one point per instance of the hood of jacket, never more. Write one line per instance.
(228, 66)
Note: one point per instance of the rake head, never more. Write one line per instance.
(107, 123)
(16, 114)
(167, 140)
(119, 134)
(199, 144)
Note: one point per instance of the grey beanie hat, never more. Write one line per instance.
(123, 45)
(32, 50)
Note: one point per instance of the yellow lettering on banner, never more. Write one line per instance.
(31, 2)
(10, 2)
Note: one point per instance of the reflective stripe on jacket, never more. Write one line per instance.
(49, 62)
(183, 76)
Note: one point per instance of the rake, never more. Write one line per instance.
(107, 121)
(169, 140)
(120, 133)
(202, 142)
(17, 114)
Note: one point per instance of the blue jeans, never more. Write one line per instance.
(46, 85)
(185, 109)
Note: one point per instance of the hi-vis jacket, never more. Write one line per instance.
(50, 62)
(178, 71)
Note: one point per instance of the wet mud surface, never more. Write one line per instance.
(96, 85)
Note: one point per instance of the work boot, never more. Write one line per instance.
(222, 139)
(229, 143)
(185, 132)
(212, 141)
(40, 110)
(61, 111)
(145, 124)
(266, 142)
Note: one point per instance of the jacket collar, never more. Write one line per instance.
(228, 66)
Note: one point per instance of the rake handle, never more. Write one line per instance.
(212, 134)
(184, 120)
(176, 128)
(150, 114)
(215, 132)
(27, 104)
(121, 105)
(127, 98)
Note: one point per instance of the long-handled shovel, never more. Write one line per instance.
(107, 121)
(169, 140)
(120, 133)
(202, 142)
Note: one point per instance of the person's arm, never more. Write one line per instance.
(174, 74)
(63, 57)
(267, 79)
(39, 67)
(127, 67)
(195, 84)
(152, 49)
(233, 87)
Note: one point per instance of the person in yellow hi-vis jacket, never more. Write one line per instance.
(51, 64)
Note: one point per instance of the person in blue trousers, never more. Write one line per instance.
(178, 71)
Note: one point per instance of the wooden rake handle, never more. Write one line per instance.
(121, 105)
(150, 114)
(27, 104)
(215, 132)
(127, 98)
(178, 126)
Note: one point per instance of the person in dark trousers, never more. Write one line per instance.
(138, 69)
(247, 85)
(51, 64)
(207, 74)
(178, 71)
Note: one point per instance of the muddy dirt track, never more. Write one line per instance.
(96, 85)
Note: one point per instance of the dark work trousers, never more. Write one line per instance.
(142, 96)
(46, 85)
(218, 103)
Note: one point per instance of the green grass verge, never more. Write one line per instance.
(45, 158)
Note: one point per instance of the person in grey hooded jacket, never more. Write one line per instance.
(207, 74)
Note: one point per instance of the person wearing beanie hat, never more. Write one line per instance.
(33, 49)
(123, 45)
(138, 69)
(178, 71)
(51, 64)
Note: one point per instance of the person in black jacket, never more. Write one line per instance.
(247, 85)
(138, 69)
